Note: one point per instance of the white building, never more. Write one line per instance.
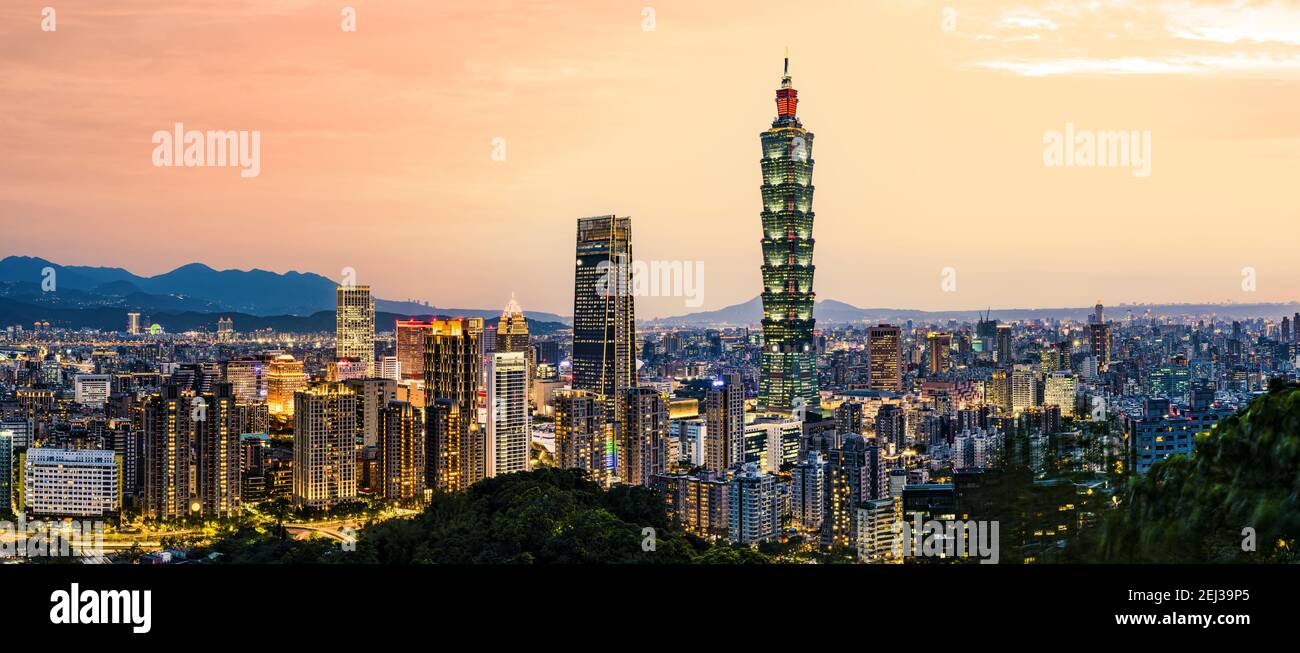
(775, 440)
(1059, 390)
(686, 441)
(72, 482)
(508, 431)
(390, 368)
(753, 506)
(876, 537)
(808, 493)
(92, 389)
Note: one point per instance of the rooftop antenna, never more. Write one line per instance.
(787, 61)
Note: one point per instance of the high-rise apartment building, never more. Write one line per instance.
(1099, 341)
(643, 436)
(808, 493)
(508, 428)
(402, 453)
(788, 366)
(604, 316)
(452, 364)
(191, 452)
(754, 508)
(354, 326)
(581, 432)
(724, 409)
(325, 445)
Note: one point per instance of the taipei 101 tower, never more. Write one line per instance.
(788, 372)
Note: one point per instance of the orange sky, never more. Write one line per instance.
(929, 121)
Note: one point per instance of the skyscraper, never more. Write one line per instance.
(191, 452)
(940, 352)
(1005, 351)
(580, 433)
(512, 329)
(354, 326)
(284, 377)
(401, 452)
(643, 434)
(6, 471)
(788, 369)
(1099, 341)
(604, 327)
(410, 347)
(724, 437)
(216, 449)
(325, 445)
(884, 355)
(508, 430)
(754, 507)
(451, 372)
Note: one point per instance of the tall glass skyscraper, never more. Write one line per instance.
(604, 328)
(788, 371)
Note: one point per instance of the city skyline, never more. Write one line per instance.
(912, 140)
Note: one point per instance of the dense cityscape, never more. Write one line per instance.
(792, 440)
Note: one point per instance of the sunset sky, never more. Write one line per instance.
(929, 119)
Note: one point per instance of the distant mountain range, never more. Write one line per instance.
(750, 313)
(196, 288)
(114, 319)
(193, 297)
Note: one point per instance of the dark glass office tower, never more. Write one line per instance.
(789, 362)
(604, 329)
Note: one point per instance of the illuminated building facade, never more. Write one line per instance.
(512, 329)
(788, 369)
(247, 376)
(724, 436)
(354, 326)
(754, 510)
(642, 451)
(410, 347)
(191, 452)
(401, 452)
(284, 378)
(452, 364)
(71, 482)
(324, 445)
(580, 433)
(884, 357)
(604, 327)
(940, 352)
(508, 429)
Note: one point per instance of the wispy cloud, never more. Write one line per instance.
(1118, 37)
